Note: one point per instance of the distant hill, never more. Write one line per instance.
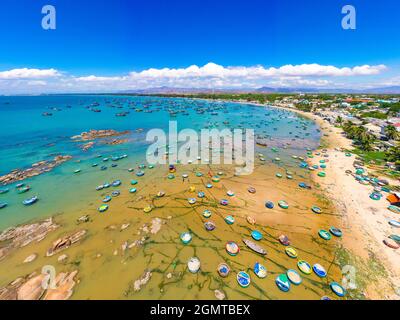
(172, 90)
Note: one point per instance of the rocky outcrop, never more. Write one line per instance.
(65, 242)
(21, 236)
(35, 170)
(34, 287)
(142, 281)
(98, 134)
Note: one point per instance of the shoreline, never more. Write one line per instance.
(359, 236)
(364, 220)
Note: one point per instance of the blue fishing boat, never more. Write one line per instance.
(4, 191)
(30, 201)
(3, 205)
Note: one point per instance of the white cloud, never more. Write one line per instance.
(25, 73)
(214, 70)
(210, 75)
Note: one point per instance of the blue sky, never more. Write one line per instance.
(109, 39)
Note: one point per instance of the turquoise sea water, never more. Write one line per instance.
(26, 137)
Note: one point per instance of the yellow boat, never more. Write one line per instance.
(291, 252)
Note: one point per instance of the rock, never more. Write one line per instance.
(84, 219)
(124, 246)
(125, 226)
(115, 252)
(21, 236)
(63, 258)
(65, 242)
(64, 287)
(156, 225)
(142, 281)
(31, 289)
(220, 295)
(98, 134)
(169, 275)
(35, 170)
(31, 258)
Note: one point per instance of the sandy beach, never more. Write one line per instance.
(364, 221)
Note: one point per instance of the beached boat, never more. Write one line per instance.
(260, 270)
(304, 267)
(394, 223)
(223, 270)
(291, 252)
(103, 208)
(243, 279)
(294, 277)
(337, 289)
(319, 270)
(229, 220)
(316, 209)
(256, 235)
(269, 205)
(283, 204)
(194, 265)
(186, 237)
(116, 183)
(391, 243)
(209, 225)
(232, 248)
(324, 234)
(206, 213)
(283, 282)
(255, 247)
(335, 231)
(283, 239)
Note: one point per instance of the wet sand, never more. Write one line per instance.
(363, 220)
(108, 272)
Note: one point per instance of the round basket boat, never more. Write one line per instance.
(291, 252)
(337, 289)
(319, 270)
(186, 237)
(324, 234)
(229, 220)
(103, 208)
(232, 248)
(283, 204)
(256, 235)
(260, 270)
(294, 277)
(335, 231)
(243, 279)
(223, 270)
(283, 282)
(316, 210)
(304, 267)
(206, 213)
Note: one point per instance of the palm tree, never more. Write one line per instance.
(393, 154)
(391, 132)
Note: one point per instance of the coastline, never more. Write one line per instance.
(105, 244)
(364, 221)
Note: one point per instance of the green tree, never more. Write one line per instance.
(391, 132)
